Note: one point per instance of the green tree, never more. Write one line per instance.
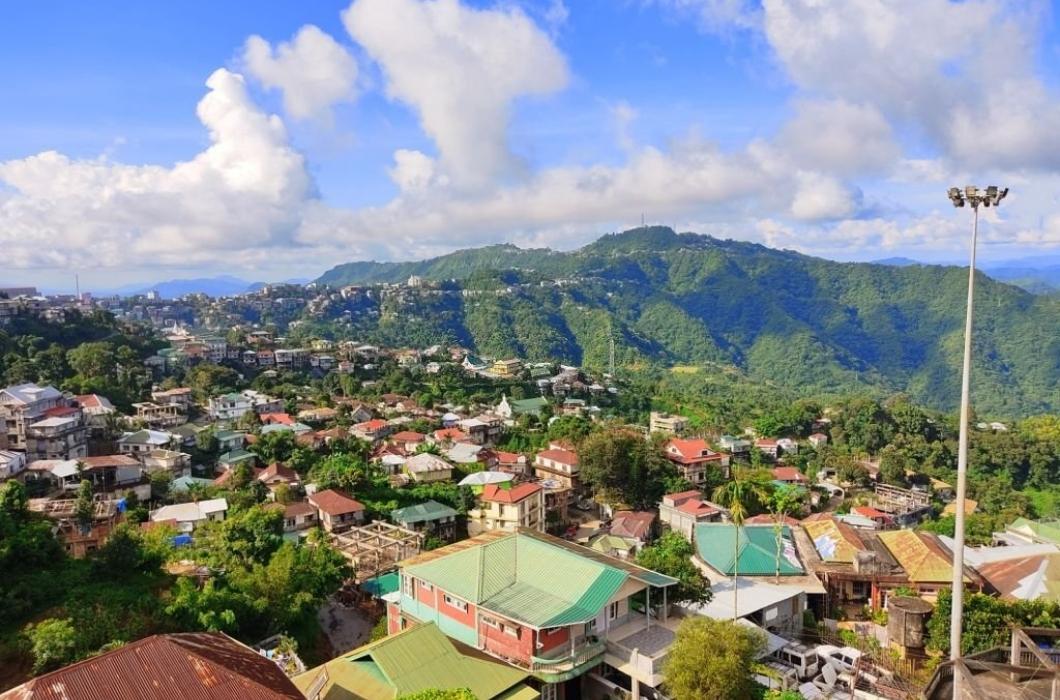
(624, 468)
(53, 643)
(672, 556)
(739, 495)
(84, 506)
(712, 659)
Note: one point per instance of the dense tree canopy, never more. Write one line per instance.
(712, 659)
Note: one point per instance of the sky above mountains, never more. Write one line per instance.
(268, 140)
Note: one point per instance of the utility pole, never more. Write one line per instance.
(611, 358)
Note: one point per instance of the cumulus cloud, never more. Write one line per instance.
(460, 69)
(313, 71)
(244, 192)
(962, 73)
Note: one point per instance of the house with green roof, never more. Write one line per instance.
(1026, 531)
(416, 659)
(751, 551)
(521, 407)
(542, 604)
(233, 458)
(430, 517)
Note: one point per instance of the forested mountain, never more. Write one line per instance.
(683, 299)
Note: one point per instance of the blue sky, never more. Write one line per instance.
(142, 141)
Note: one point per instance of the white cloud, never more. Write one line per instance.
(244, 192)
(839, 137)
(624, 115)
(313, 71)
(460, 68)
(820, 197)
(961, 73)
(718, 15)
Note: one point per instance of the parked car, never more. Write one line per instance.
(843, 659)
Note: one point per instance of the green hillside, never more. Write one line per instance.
(804, 323)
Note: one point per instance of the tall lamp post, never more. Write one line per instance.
(973, 197)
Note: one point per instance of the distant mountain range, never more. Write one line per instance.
(1036, 275)
(222, 285)
(779, 316)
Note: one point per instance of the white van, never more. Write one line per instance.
(801, 657)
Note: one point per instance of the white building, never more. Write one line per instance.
(190, 515)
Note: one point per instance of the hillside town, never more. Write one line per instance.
(453, 518)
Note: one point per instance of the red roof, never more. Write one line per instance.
(335, 502)
(58, 411)
(634, 524)
(692, 451)
(694, 506)
(495, 494)
(870, 512)
(191, 666)
(560, 455)
(90, 401)
(298, 508)
(765, 442)
(767, 519)
(280, 418)
(508, 457)
(450, 434)
(408, 436)
(109, 461)
(370, 426)
(789, 474)
(277, 472)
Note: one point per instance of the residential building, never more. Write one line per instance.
(298, 516)
(683, 511)
(790, 476)
(21, 405)
(371, 430)
(233, 458)
(144, 441)
(407, 440)
(521, 407)
(188, 665)
(173, 461)
(430, 517)
(96, 409)
(230, 440)
(635, 526)
(667, 423)
(508, 508)
(542, 605)
(336, 511)
(818, 440)
(748, 551)
(734, 445)
(769, 447)
(60, 434)
(231, 406)
(425, 468)
(276, 474)
(507, 368)
(694, 459)
(775, 608)
(559, 464)
(156, 415)
(417, 659)
(109, 473)
(1026, 531)
(180, 396)
(926, 560)
(11, 463)
(188, 516)
(484, 429)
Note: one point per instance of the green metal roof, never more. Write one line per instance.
(238, 455)
(517, 576)
(533, 405)
(1043, 530)
(419, 658)
(757, 549)
(421, 512)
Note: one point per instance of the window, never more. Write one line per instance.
(612, 611)
(590, 626)
(490, 622)
(426, 586)
(511, 631)
(408, 586)
(454, 603)
(549, 691)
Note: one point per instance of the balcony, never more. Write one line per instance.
(640, 650)
(564, 666)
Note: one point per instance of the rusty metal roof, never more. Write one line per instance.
(195, 666)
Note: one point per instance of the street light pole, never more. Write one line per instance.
(973, 197)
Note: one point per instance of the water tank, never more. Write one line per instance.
(906, 621)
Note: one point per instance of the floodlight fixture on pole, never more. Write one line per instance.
(973, 197)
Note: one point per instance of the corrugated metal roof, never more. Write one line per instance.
(197, 666)
(429, 510)
(834, 541)
(516, 576)
(756, 550)
(419, 658)
(923, 559)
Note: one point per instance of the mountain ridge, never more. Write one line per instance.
(685, 299)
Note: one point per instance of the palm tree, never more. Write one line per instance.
(782, 502)
(737, 496)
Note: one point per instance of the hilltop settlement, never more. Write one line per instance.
(197, 500)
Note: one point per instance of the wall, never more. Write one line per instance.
(500, 642)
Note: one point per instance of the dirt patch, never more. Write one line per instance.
(346, 628)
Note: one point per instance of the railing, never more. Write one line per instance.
(581, 655)
(644, 664)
